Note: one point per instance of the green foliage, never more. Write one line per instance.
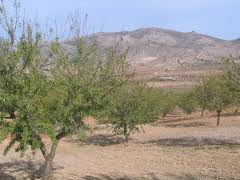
(54, 103)
(26, 124)
(216, 93)
(48, 90)
(187, 101)
(232, 76)
(220, 95)
(203, 93)
(167, 102)
(14, 65)
(83, 133)
(133, 105)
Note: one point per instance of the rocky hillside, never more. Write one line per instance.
(161, 48)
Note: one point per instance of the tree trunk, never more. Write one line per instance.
(218, 117)
(164, 115)
(126, 138)
(125, 132)
(236, 111)
(47, 167)
(202, 113)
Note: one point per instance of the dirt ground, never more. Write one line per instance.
(178, 147)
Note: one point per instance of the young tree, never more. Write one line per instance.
(203, 94)
(220, 91)
(187, 101)
(167, 103)
(220, 95)
(54, 102)
(232, 76)
(133, 106)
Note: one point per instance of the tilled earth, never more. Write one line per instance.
(178, 147)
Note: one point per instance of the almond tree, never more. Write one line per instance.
(56, 102)
(232, 76)
(52, 102)
(219, 91)
(220, 95)
(133, 106)
(187, 101)
(203, 94)
(167, 103)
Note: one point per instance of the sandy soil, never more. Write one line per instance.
(178, 147)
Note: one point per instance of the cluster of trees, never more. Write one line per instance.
(215, 92)
(139, 105)
(47, 90)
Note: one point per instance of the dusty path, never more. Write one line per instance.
(178, 148)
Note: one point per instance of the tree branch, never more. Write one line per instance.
(42, 147)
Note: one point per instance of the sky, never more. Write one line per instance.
(218, 18)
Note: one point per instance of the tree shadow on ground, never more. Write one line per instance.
(105, 140)
(179, 119)
(191, 124)
(4, 176)
(24, 169)
(100, 140)
(151, 176)
(191, 142)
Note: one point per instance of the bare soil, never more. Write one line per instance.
(177, 147)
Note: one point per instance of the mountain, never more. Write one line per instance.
(155, 49)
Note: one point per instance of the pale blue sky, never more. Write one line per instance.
(219, 18)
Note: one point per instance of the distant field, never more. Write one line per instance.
(174, 77)
(172, 84)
